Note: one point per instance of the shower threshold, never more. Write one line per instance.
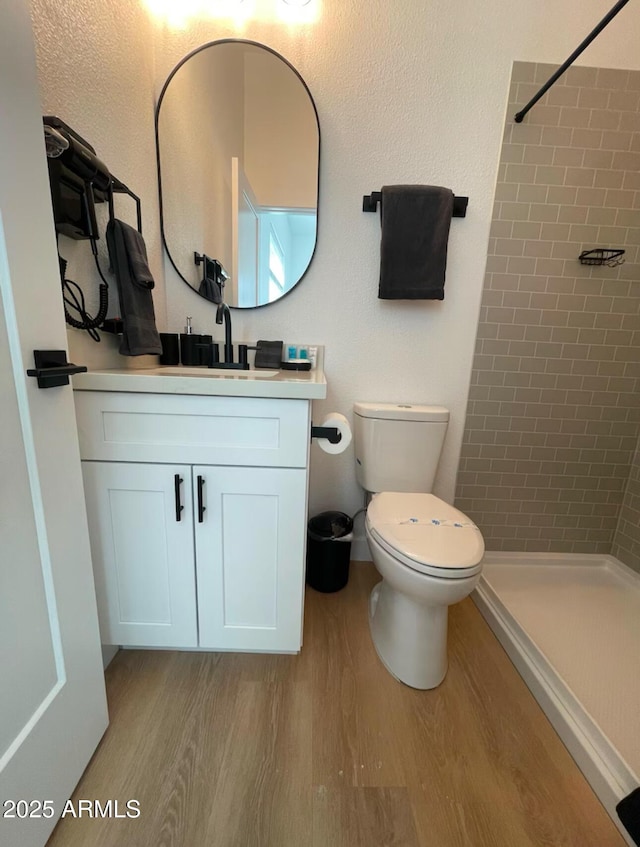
(570, 623)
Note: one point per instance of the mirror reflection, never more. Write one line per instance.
(238, 154)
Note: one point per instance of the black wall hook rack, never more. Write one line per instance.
(72, 162)
(118, 187)
(370, 204)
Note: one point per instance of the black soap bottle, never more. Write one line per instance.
(189, 350)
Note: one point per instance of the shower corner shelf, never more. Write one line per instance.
(602, 256)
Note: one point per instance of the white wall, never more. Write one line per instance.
(411, 91)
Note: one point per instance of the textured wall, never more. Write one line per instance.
(414, 92)
(552, 420)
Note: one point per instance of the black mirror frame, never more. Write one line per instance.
(160, 201)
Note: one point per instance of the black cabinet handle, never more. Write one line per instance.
(201, 507)
(177, 479)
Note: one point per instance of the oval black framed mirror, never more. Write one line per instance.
(238, 151)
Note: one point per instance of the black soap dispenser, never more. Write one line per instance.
(189, 350)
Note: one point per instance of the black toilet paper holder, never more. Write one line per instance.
(331, 433)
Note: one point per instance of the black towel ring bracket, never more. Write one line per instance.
(370, 204)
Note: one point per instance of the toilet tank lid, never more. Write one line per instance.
(401, 411)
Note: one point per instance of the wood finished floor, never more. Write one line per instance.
(326, 749)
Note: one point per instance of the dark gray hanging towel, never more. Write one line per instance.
(415, 222)
(211, 287)
(128, 256)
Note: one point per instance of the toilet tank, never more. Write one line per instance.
(398, 446)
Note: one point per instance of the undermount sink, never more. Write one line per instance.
(215, 372)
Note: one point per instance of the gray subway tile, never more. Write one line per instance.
(537, 155)
(589, 139)
(600, 216)
(611, 78)
(580, 177)
(514, 211)
(525, 264)
(583, 77)
(626, 101)
(554, 175)
(626, 161)
(573, 214)
(608, 179)
(559, 136)
(620, 140)
(526, 229)
(590, 196)
(509, 247)
(506, 191)
(567, 156)
(603, 119)
(629, 121)
(512, 153)
(593, 98)
(520, 173)
(523, 72)
(620, 199)
(544, 212)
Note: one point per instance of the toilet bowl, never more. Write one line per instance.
(429, 556)
(428, 553)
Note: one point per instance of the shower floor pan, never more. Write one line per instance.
(571, 625)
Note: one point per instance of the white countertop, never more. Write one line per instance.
(305, 385)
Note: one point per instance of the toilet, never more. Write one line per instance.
(428, 553)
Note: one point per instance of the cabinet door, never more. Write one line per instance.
(142, 553)
(250, 545)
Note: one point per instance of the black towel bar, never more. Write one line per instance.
(370, 204)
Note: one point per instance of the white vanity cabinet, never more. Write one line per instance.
(250, 557)
(197, 511)
(143, 558)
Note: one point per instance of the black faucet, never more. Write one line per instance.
(223, 312)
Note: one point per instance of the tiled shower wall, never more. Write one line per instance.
(626, 541)
(552, 422)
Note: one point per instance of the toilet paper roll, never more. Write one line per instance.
(335, 419)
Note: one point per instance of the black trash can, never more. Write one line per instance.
(329, 537)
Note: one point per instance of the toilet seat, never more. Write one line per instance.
(426, 534)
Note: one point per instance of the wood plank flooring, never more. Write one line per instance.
(326, 749)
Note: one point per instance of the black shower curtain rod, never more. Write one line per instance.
(519, 117)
